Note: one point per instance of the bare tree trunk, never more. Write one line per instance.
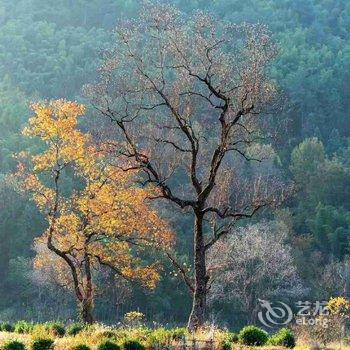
(198, 314)
(85, 311)
(346, 279)
(252, 308)
(86, 305)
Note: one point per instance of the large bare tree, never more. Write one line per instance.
(187, 96)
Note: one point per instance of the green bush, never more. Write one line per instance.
(13, 345)
(81, 347)
(75, 328)
(226, 346)
(159, 335)
(226, 339)
(108, 345)
(23, 327)
(178, 333)
(57, 329)
(251, 335)
(284, 337)
(233, 337)
(230, 337)
(6, 327)
(133, 345)
(42, 344)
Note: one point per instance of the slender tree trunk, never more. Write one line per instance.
(199, 313)
(346, 278)
(86, 305)
(85, 311)
(252, 308)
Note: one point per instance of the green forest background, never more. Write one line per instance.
(50, 48)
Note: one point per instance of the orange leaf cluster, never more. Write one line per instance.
(104, 216)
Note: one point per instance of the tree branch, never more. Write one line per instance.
(182, 271)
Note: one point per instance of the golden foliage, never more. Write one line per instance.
(339, 306)
(105, 216)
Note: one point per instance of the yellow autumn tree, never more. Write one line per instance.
(103, 219)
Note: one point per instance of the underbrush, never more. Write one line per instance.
(56, 336)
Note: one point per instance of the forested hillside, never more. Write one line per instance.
(49, 49)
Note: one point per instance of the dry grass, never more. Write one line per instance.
(92, 338)
(332, 346)
(93, 335)
(5, 336)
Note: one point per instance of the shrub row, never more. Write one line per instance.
(38, 344)
(56, 328)
(127, 345)
(13, 345)
(251, 335)
(47, 344)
